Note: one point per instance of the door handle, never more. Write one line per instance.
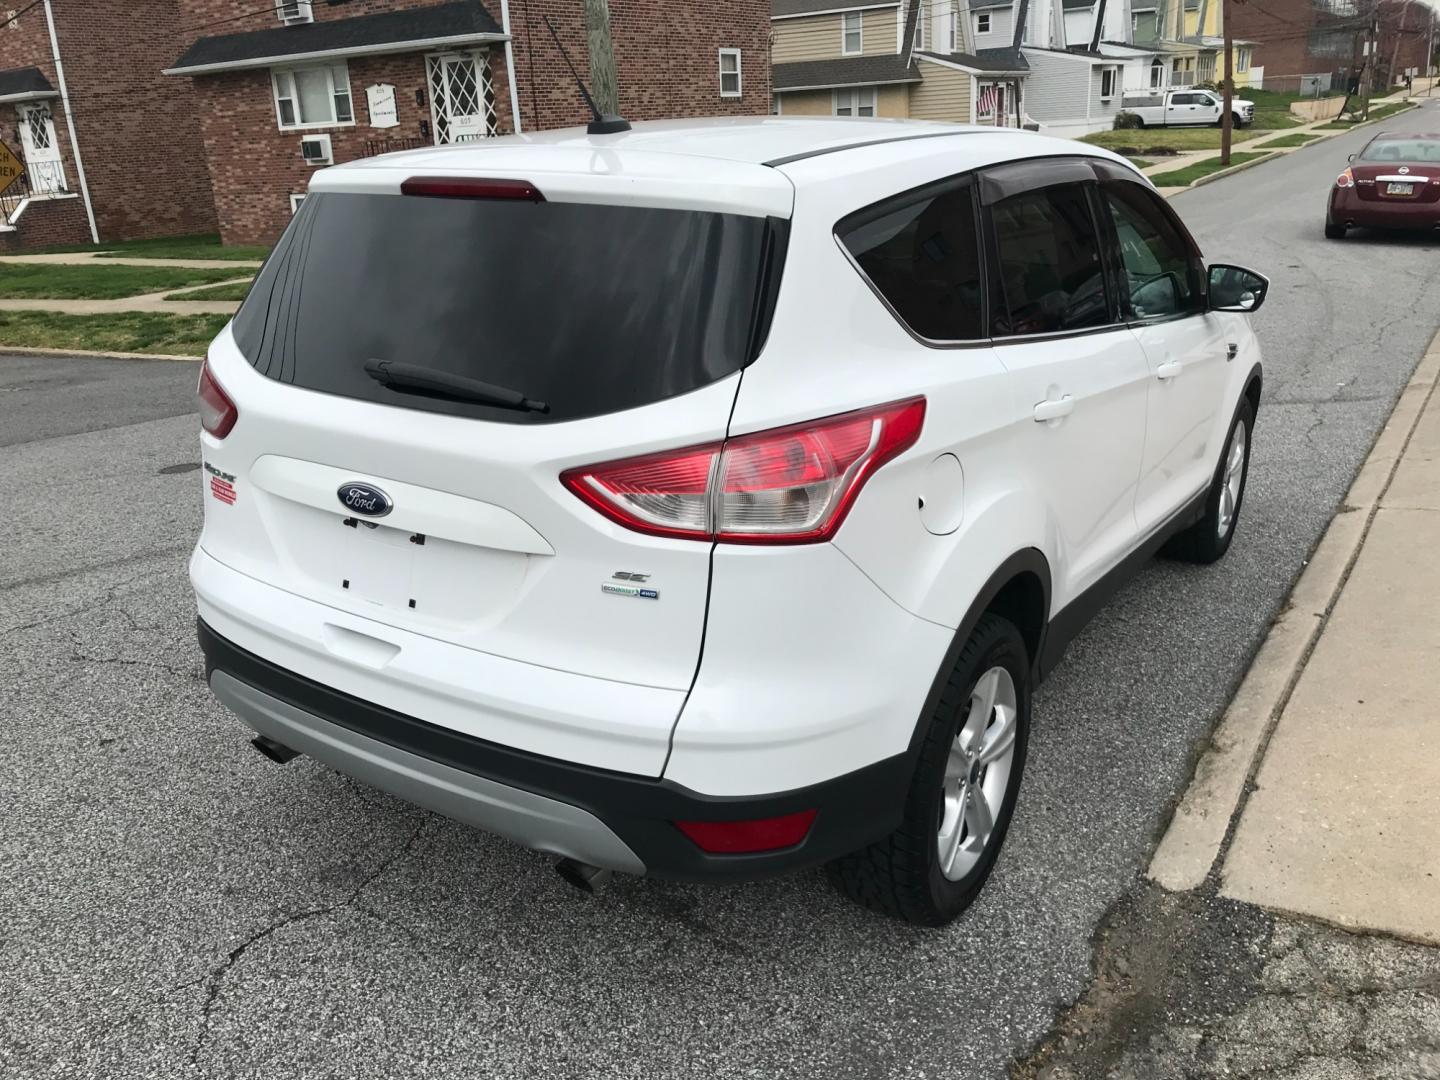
(1169, 370)
(1054, 410)
(1231, 351)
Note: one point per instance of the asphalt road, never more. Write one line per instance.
(174, 905)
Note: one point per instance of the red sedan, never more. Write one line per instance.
(1394, 183)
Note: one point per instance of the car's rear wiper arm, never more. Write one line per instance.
(437, 383)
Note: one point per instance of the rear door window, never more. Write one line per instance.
(1050, 277)
(921, 254)
(590, 309)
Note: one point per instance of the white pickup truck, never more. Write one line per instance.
(1176, 108)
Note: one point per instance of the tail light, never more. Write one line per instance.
(217, 412)
(1345, 179)
(790, 485)
(747, 837)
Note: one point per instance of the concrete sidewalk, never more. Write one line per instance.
(1336, 727)
(1344, 821)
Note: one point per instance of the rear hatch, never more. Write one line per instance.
(626, 309)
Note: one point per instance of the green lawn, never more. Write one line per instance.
(1379, 112)
(53, 281)
(1188, 175)
(1275, 120)
(180, 335)
(206, 246)
(1276, 99)
(1298, 139)
(1133, 141)
(234, 291)
(1141, 163)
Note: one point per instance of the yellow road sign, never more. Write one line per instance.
(11, 168)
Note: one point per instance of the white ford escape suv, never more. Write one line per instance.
(706, 500)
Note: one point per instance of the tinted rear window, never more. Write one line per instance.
(1402, 150)
(591, 309)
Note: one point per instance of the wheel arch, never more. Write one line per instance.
(1253, 385)
(1018, 590)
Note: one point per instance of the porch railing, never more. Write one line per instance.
(376, 147)
(12, 197)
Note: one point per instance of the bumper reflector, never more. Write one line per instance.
(746, 837)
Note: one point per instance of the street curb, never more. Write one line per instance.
(1193, 840)
(1233, 169)
(33, 350)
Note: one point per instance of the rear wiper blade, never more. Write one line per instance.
(437, 383)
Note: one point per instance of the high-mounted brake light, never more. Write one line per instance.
(1345, 179)
(790, 485)
(217, 412)
(471, 187)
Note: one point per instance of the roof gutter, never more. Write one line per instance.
(250, 63)
(28, 95)
(70, 123)
(842, 85)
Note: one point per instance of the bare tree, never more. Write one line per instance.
(604, 81)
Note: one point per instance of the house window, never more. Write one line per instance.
(1242, 60)
(294, 11)
(954, 44)
(851, 40)
(1157, 73)
(295, 201)
(729, 72)
(312, 96)
(1107, 83)
(920, 26)
(982, 23)
(859, 101)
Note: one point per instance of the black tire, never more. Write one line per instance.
(1204, 542)
(1334, 232)
(1237, 122)
(900, 876)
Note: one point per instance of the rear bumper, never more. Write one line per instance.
(615, 820)
(1347, 208)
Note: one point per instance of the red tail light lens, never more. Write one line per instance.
(747, 837)
(217, 412)
(791, 485)
(471, 187)
(1345, 179)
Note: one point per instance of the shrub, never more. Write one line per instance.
(1126, 121)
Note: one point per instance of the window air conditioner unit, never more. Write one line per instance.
(294, 11)
(316, 150)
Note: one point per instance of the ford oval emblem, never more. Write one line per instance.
(366, 499)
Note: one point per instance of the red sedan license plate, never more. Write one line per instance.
(1400, 189)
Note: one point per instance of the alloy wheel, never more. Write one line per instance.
(977, 773)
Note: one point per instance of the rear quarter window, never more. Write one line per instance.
(921, 254)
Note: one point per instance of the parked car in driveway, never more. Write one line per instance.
(1394, 183)
(707, 500)
(1185, 108)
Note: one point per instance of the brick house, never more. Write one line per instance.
(132, 166)
(279, 93)
(1325, 38)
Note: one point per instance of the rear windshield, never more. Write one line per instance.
(589, 309)
(1402, 150)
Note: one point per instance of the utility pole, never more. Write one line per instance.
(1367, 70)
(1227, 121)
(604, 82)
(1399, 36)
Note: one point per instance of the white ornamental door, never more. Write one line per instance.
(461, 97)
(41, 149)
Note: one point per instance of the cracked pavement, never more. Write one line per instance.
(177, 906)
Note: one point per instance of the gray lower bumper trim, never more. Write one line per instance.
(533, 820)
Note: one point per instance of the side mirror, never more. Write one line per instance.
(1233, 288)
(1351, 157)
